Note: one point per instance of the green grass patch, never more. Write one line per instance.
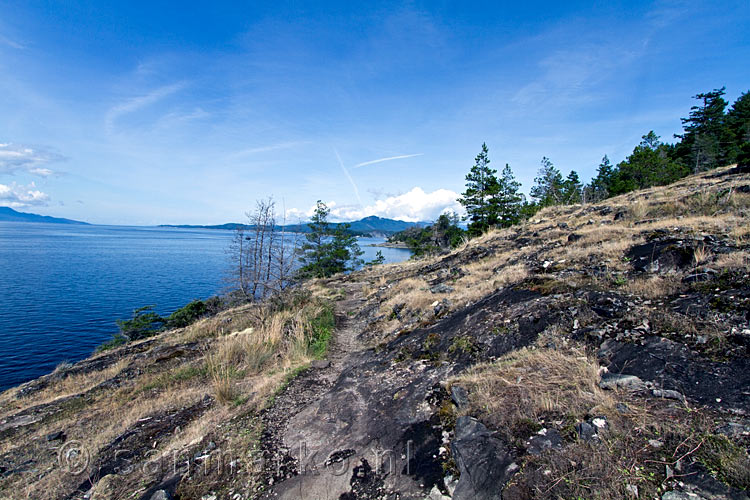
(321, 327)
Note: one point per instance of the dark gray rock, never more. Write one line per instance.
(586, 432)
(661, 256)
(161, 495)
(544, 440)
(56, 436)
(397, 308)
(441, 288)
(460, 396)
(442, 308)
(589, 431)
(734, 430)
(483, 460)
(616, 380)
(668, 394)
(320, 364)
(573, 237)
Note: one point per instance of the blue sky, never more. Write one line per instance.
(187, 112)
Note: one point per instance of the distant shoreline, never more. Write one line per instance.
(388, 244)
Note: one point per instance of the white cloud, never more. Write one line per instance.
(15, 158)
(413, 206)
(17, 196)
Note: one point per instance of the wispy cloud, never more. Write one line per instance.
(17, 196)
(348, 176)
(266, 149)
(139, 102)
(11, 43)
(381, 160)
(19, 158)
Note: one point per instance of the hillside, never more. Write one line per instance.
(595, 351)
(7, 214)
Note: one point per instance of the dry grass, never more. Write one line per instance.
(701, 255)
(741, 233)
(414, 292)
(529, 384)
(653, 287)
(65, 387)
(735, 261)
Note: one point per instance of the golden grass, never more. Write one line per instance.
(65, 387)
(653, 287)
(528, 384)
(735, 261)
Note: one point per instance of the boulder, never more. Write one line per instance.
(460, 396)
(483, 460)
(617, 381)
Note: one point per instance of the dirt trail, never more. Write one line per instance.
(308, 387)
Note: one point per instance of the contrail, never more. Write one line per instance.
(372, 162)
(348, 176)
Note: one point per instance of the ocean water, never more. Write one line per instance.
(62, 287)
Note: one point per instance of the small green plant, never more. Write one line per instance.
(463, 343)
(321, 327)
(431, 341)
(379, 259)
(116, 341)
(620, 280)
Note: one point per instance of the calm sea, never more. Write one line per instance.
(62, 287)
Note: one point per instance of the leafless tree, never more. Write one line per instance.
(262, 254)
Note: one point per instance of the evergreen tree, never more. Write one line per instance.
(445, 231)
(705, 141)
(548, 185)
(479, 197)
(326, 251)
(600, 186)
(738, 126)
(508, 199)
(648, 165)
(572, 189)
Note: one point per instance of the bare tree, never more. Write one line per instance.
(262, 254)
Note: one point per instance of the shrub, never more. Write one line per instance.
(144, 323)
(187, 314)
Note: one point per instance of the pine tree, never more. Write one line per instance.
(481, 188)
(648, 165)
(548, 185)
(738, 125)
(572, 189)
(705, 141)
(327, 251)
(508, 199)
(600, 186)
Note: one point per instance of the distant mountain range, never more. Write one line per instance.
(372, 225)
(7, 214)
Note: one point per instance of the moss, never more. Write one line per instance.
(463, 343)
(545, 286)
(500, 330)
(725, 460)
(431, 341)
(403, 354)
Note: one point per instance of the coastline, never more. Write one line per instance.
(387, 244)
